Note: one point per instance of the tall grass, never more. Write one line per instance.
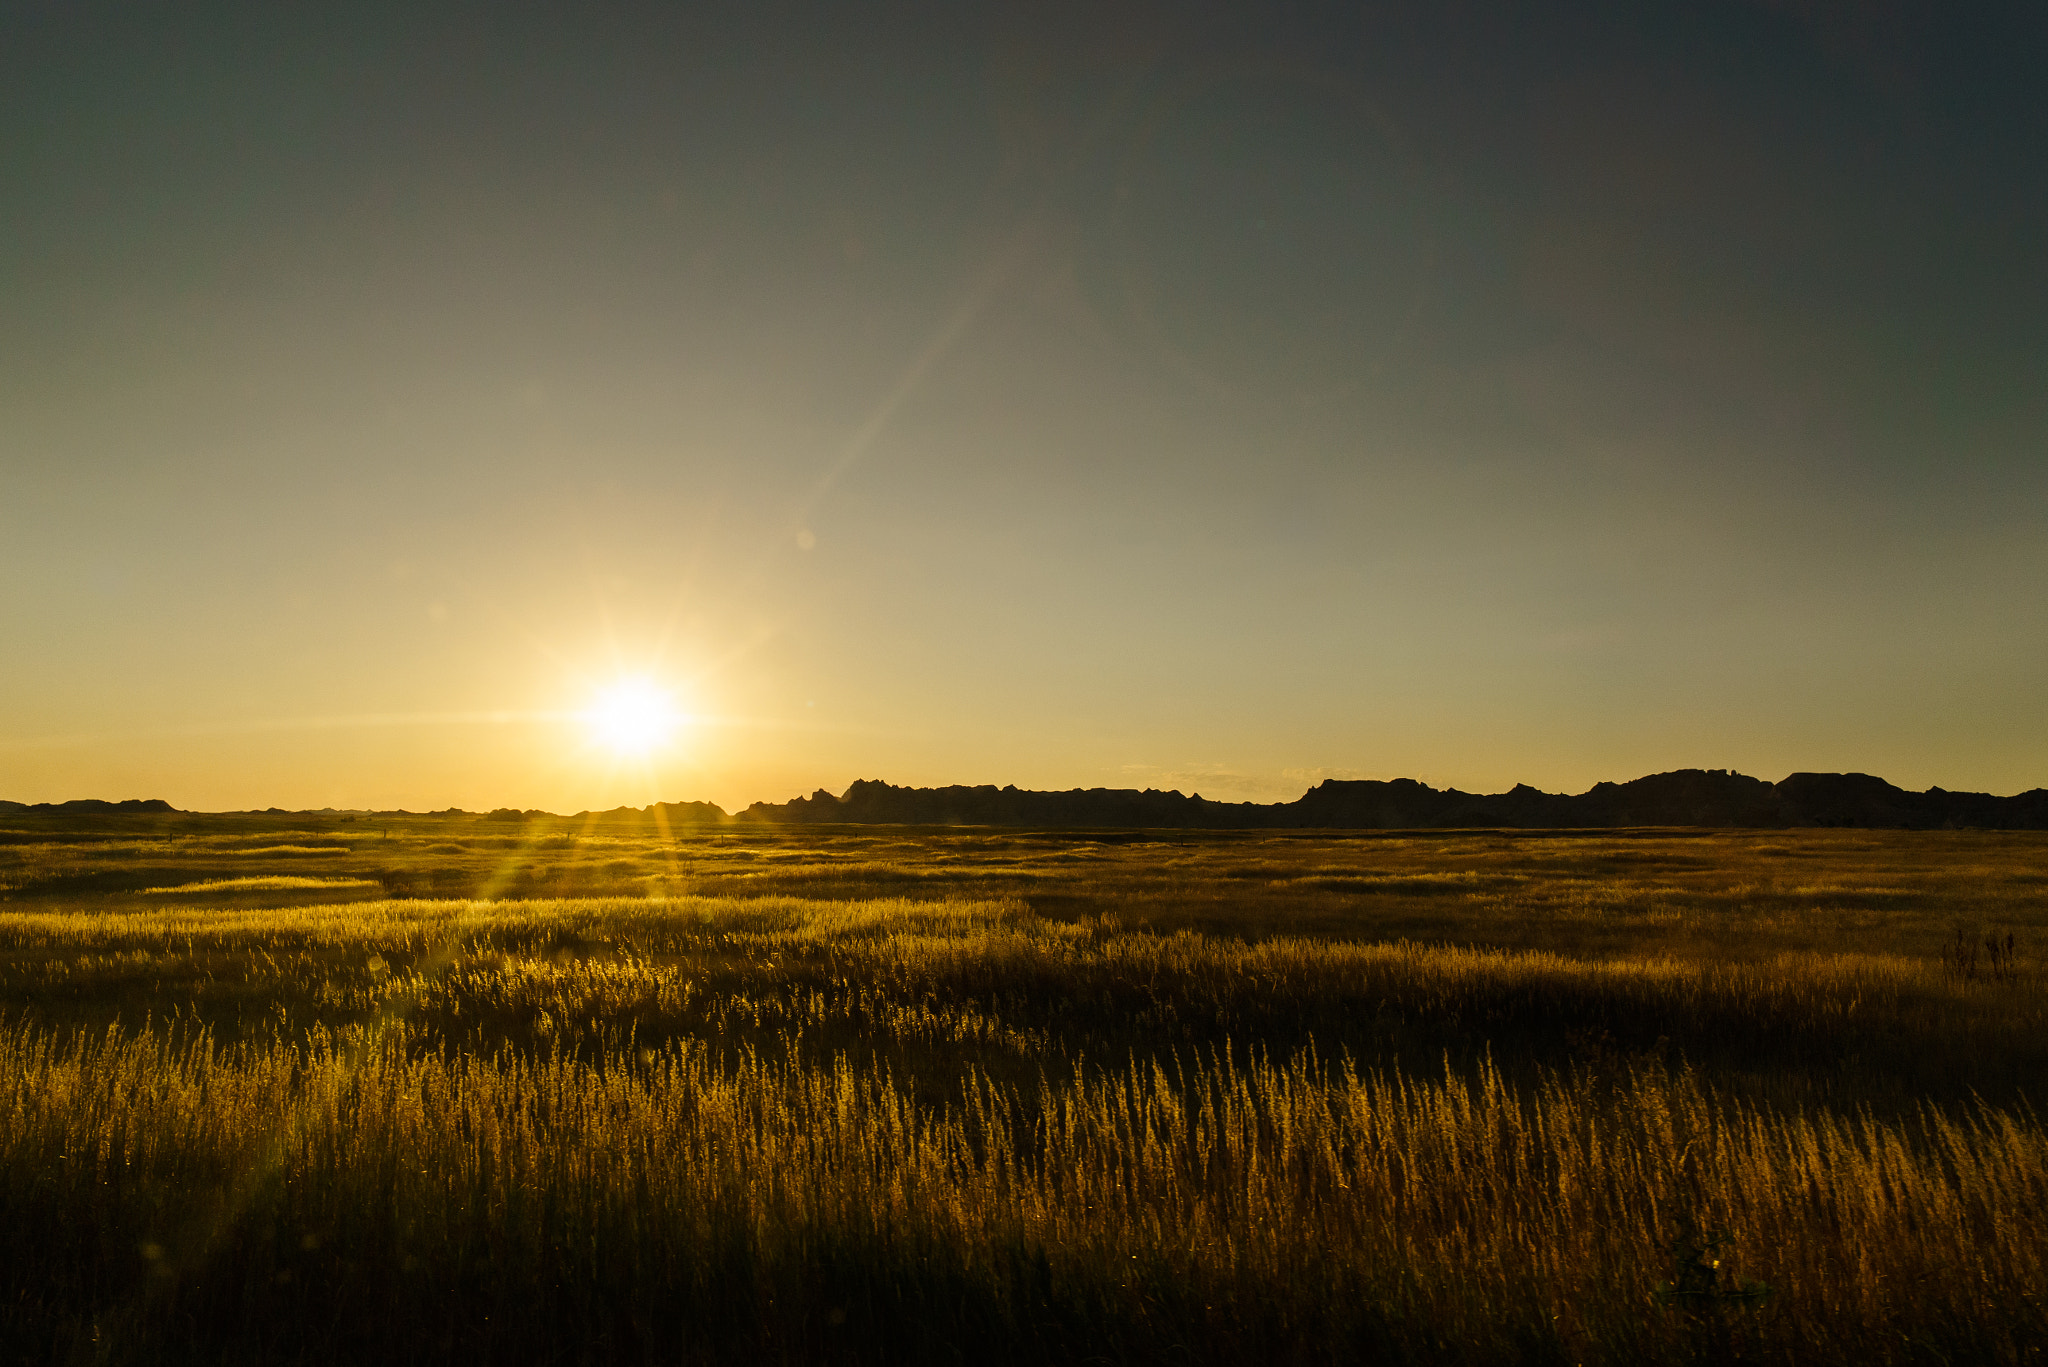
(253, 1124)
(947, 984)
(357, 1199)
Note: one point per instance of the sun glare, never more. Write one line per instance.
(633, 717)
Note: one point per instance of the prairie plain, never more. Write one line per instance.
(303, 1088)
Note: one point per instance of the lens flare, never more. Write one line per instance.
(633, 717)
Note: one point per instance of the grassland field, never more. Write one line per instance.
(306, 1089)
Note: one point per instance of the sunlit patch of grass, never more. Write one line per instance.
(287, 849)
(264, 883)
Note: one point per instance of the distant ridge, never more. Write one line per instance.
(91, 806)
(1685, 797)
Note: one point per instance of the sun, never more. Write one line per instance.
(633, 717)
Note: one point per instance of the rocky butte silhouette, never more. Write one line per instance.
(89, 806)
(1684, 797)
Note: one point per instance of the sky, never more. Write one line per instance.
(1066, 395)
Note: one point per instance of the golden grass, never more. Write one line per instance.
(264, 883)
(1028, 1126)
(1219, 1211)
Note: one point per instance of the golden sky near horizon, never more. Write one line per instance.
(1076, 396)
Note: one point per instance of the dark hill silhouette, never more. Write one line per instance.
(91, 806)
(1685, 797)
(674, 813)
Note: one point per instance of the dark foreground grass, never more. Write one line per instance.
(1463, 1099)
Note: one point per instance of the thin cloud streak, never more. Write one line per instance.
(375, 720)
(369, 720)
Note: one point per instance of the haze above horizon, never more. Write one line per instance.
(428, 406)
